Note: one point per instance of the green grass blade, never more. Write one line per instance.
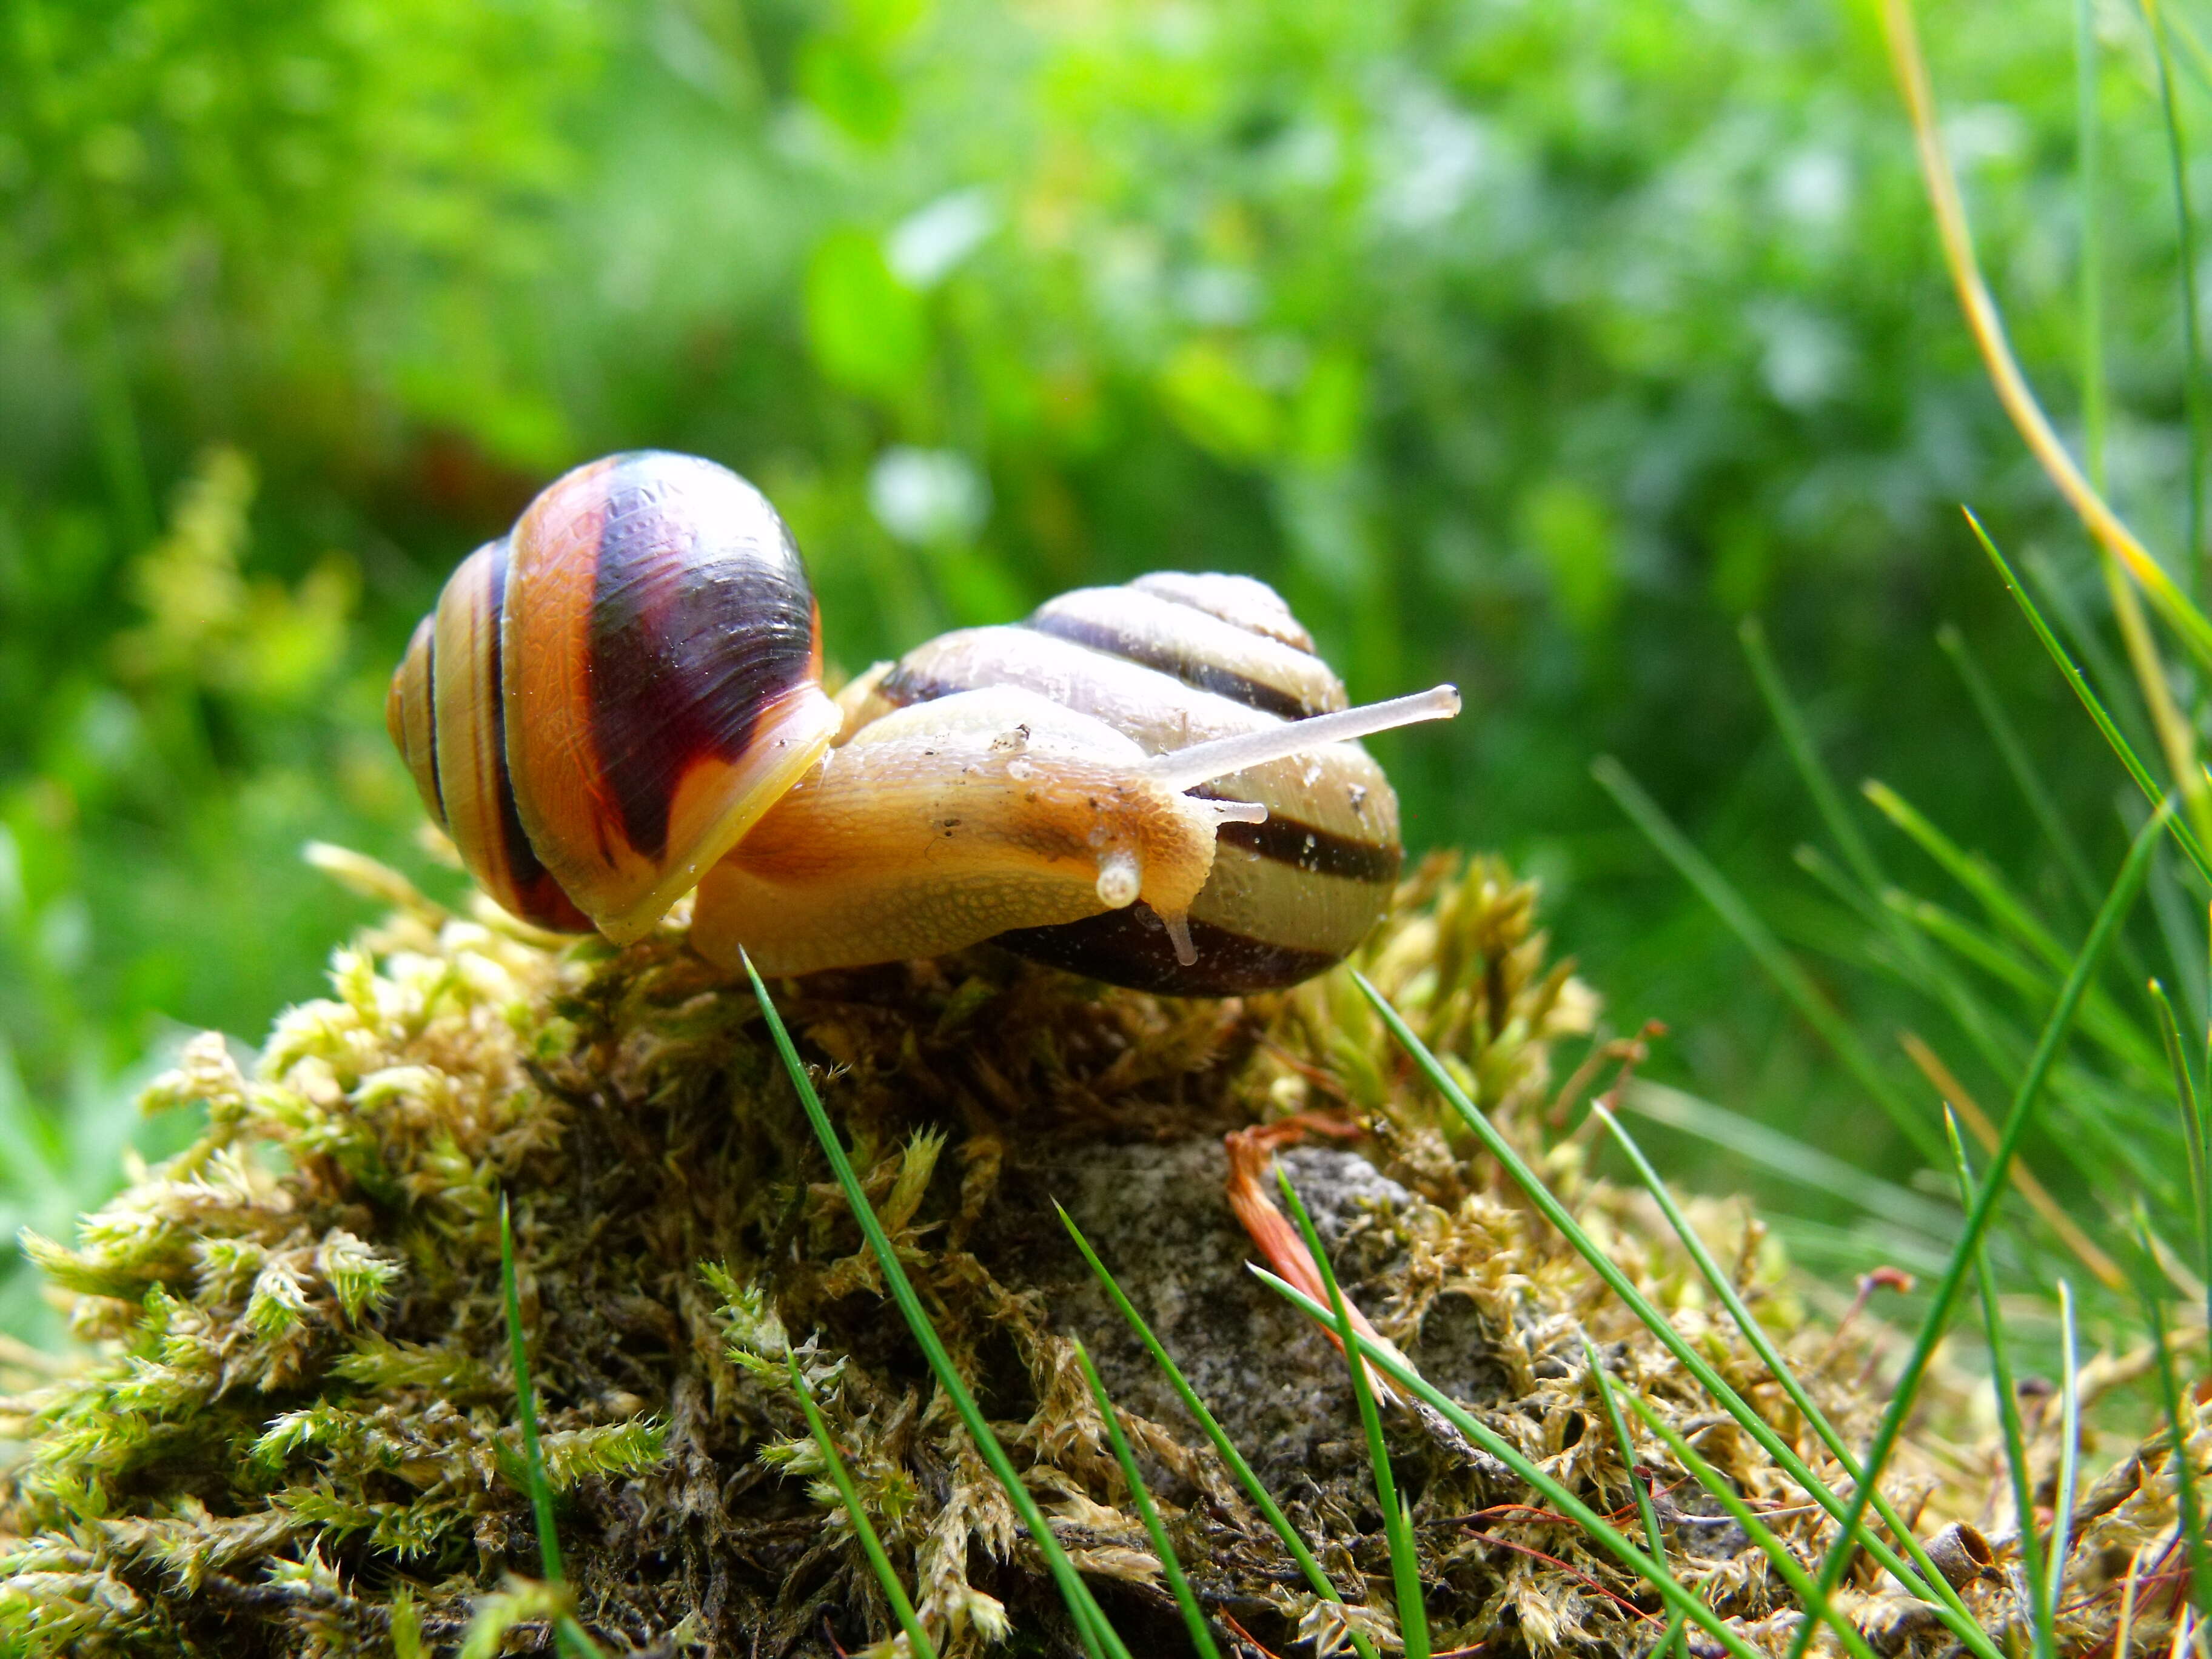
(1817, 1607)
(2007, 1401)
(1917, 963)
(1082, 1606)
(2192, 386)
(1758, 938)
(1405, 1566)
(1670, 1643)
(1994, 1036)
(1818, 781)
(2194, 1142)
(2193, 50)
(567, 1631)
(2070, 1457)
(2102, 1022)
(2080, 686)
(917, 1639)
(1841, 885)
(1723, 1288)
(1224, 1448)
(1970, 871)
(1948, 1608)
(2013, 751)
(2094, 401)
(1644, 1510)
(526, 1405)
(2100, 669)
(1395, 1366)
(1907, 1389)
(1202, 1636)
(1970, 943)
(2173, 909)
(2185, 1477)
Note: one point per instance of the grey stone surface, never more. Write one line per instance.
(1159, 1218)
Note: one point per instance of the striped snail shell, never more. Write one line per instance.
(607, 698)
(1170, 660)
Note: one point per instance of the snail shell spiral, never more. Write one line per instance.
(1173, 660)
(605, 700)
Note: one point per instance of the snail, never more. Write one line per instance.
(1155, 785)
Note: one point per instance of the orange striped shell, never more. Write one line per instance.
(606, 699)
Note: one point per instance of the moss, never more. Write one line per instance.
(298, 1435)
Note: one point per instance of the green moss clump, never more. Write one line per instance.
(299, 1436)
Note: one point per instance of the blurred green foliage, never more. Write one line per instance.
(1530, 346)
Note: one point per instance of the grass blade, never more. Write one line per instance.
(2120, 746)
(1926, 966)
(1648, 1515)
(2102, 1021)
(2086, 1249)
(1082, 1606)
(2072, 624)
(1723, 1288)
(1758, 938)
(1396, 1366)
(2194, 1142)
(2069, 1456)
(2185, 1477)
(1818, 1609)
(2014, 752)
(1819, 783)
(2176, 736)
(1671, 1642)
(2192, 388)
(1963, 939)
(526, 1405)
(1262, 1500)
(2086, 126)
(918, 1642)
(2007, 1401)
(1987, 326)
(1907, 1389)
(567, 1631)
(1994, 1037)
(2173, 909)
(1972, 871)
(2118, 542)
(1201, 1638)
(1948, 1608)
(1769, 1149)
(1405, 1566)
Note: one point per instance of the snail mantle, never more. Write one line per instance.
(298, 1432)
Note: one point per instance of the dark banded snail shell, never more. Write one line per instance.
(1173, 660)
(607, 699)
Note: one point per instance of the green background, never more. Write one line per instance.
(1531, 346)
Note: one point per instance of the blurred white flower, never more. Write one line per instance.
(926, 246)
(925, 495)
(1220, 296)
(1806, 357)
(1814, 186)
(1986, 132)
(1434, 156)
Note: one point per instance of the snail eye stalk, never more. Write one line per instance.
(1181, 769)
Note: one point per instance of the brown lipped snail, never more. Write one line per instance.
(1155, 785)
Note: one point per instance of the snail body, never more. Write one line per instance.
(621, 700)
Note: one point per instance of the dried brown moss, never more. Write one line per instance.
(300, 1435)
